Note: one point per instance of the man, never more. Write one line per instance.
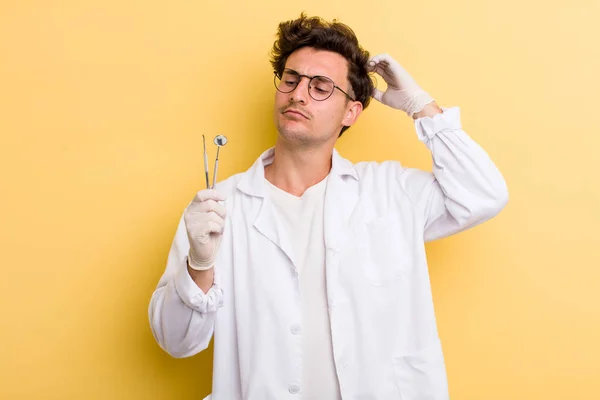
(309, 270)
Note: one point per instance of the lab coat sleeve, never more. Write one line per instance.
(182, 316)
(464, 189)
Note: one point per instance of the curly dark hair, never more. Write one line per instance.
(317, 33)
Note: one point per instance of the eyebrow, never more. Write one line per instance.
(298, 73)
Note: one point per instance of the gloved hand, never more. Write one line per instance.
(402, 91)
(204, 222)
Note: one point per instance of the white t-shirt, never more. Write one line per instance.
(302, 218)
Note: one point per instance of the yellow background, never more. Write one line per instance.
(102, 107)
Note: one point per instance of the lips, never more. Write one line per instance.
(296, 112)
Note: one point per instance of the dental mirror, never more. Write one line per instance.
(220, 140)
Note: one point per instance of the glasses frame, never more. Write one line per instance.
(278, 76)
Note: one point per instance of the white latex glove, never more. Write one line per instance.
(204, 223)
(402, 91)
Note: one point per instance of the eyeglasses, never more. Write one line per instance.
(319, 87)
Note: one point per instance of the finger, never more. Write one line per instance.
(371, 65)
(213, 216)
(377, 94)
(379, 59)
(210, 206)
(388, 75)
(383, 57)
(198, 211)
(381, 66)
(206, 224)
(209, 194)
(377, 66)
(386, 63)
(214, 227)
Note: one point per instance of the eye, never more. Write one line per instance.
(289, 79)
(323, 86)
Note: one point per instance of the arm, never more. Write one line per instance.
(429, 110)
(182, 315)
(203, 279)
(465, 188)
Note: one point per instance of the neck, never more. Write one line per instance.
(294, 170)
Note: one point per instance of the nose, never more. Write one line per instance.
(300, 93)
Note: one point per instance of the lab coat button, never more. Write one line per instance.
(295, 329)
(294, 389)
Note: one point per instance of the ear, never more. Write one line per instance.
(352, 113)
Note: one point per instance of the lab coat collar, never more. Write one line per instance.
(252, 183)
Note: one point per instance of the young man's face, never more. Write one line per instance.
(302, 120)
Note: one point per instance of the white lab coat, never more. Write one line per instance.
(377, 218)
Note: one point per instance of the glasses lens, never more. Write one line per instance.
(320, 88)
(287, 82)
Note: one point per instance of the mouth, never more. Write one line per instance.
(295, 112)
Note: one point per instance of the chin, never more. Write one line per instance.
(291, 130)
(296, 136)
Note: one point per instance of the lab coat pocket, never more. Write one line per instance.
(422, 375)
(383, 252)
